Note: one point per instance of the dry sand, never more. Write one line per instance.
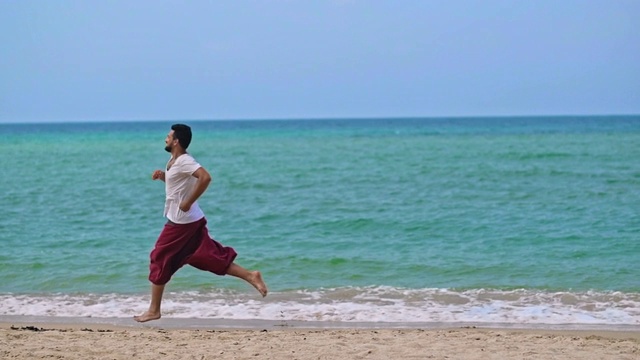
(103, 341)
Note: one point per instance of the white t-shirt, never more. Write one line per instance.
(179, 183)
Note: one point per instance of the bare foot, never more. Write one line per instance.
(256, 280)
(147, 316)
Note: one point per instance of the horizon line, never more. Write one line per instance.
(123, 120)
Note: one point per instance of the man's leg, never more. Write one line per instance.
(252, 277)
(154, 308)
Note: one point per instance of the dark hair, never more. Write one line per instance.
(182, 132)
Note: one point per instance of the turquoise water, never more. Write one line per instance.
(353, 214)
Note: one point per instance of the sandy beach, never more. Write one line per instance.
(51, 340)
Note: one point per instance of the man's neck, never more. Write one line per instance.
(177, 152)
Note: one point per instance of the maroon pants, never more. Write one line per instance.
(181, 244)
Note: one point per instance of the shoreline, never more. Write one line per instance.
(258, 324)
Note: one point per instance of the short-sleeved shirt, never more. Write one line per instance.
(179, 183)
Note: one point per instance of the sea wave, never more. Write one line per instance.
(350, 304)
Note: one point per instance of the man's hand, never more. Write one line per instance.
(157, 175)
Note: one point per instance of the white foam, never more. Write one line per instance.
(375, 304)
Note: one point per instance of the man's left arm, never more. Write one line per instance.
(204, 178)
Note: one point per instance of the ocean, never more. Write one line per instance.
(490, 220)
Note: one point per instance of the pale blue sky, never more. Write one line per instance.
(144, 60)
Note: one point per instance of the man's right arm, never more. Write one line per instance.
(157, 175)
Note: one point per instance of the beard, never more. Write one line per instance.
(167, 148)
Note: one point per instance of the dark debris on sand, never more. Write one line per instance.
(39, 329)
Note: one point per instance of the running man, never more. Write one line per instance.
(185, 238)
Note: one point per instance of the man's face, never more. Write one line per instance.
(169, 142)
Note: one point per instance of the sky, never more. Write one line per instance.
(284, 59)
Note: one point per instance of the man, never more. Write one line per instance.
(185, 237)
